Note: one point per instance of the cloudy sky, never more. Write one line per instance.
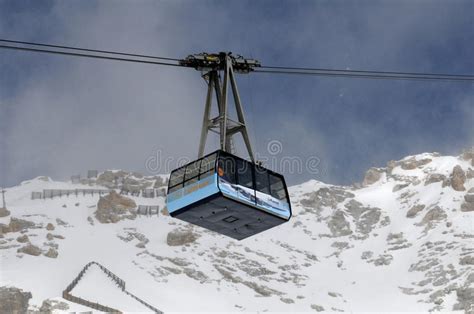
(62, 115)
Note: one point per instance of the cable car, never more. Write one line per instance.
(220, 191)
(229, 195)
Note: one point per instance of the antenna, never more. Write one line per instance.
(213, 65)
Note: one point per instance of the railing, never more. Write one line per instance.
(148, 210)
(120, 282)
(52, 193)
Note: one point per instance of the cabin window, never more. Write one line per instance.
(277, 187)
(192, 170)
(208, 165)
(226, 169)
(177, 177)
(261, 180)
(244, 173)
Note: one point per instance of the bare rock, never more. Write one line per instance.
(49, 236)
(317, 308)
(51, 306)
(467, 207)
(367, 255)
(465, 298)
(14, 300)
(179, 237)
(365, 217)
(30, 249)
(385, 259)
(470, 173)
(434, 214)
(4, 212)
(399, 187)
(114, 207)
(371, 176)
(435, 177)
(468, 154)
(110, 179)
(23, 239)
(338, 224)
(412, 212)
(50, 227)
(52, 253)
(458, 178)
(327, 197)
(62, 222)
(467, 260)
(16, 225)
(412, 163)
(469, 198)
(287, 300)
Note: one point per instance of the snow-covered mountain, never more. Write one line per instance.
(402, 240)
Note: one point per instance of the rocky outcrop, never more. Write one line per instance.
(415, 210)
(435, 177)
(338, 224)
(365, 217)
(467, 207)
(383, 260)
(114, 207)
(129, 181)
(16, 225)
(465, 298)
(468, 204)
(371, 176)
(468, 154)
(110, 179)
(412, 163)
(50, 227)
(52, 253)
(14, 300)
(51, 306)
(23, 239)
(4, 212)
(458, 178)
(467, 260)
(327, 196)
(30, 249)
(434, 214)
(179, 237)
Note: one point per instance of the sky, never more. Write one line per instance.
(60, 116)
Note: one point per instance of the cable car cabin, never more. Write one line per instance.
(228, 195)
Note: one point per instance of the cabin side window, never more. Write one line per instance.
(277, 187)
(226, 169)
(176, 180)
(208, 165)
(261, 180)
(244, 171)
(192, 172)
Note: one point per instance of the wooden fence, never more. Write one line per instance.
(148, 210)
(52, 193)
(117, 280)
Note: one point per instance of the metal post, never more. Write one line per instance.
(223, 116)
(3, 198)
(207, 112)
(241, 116)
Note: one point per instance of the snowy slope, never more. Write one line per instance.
(399, 242)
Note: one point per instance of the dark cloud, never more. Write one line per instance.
(62, 115)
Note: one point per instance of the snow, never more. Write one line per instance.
(167, 277)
